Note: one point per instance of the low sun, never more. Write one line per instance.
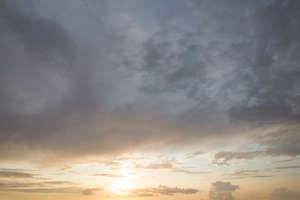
(125, 183)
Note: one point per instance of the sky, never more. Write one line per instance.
(149, 100)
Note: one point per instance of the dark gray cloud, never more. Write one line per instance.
(107, 80)
(273, 95)
(48, 83)
(239, 70)
(222, 191)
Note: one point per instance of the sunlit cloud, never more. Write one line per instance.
(162, 190)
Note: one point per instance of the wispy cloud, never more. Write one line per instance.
(56, 187)
(16, 174)
(61, 190)
(169, 166)
(289, 167)
(244, 173)
(109, 175)
(162, 190)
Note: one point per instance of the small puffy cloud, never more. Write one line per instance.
(222, 191)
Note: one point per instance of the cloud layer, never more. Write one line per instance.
(99, 80)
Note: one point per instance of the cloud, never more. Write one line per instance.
(16, 174)
(90, 191)
(162, 190)
(109, 175)
(222, 191)
(62, 190)
(284, 193)
(244, 173)
(51, 80)
(194, 154)
(9, 185)
(286, 160)
(289, 167)
(222, 158)
(168, 165)
(111, 82)
(282, 141)
(57, 187)
(241, 173)
(162, 165)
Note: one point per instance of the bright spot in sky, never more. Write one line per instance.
(125, 183)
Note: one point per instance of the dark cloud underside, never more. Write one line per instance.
(90, 78)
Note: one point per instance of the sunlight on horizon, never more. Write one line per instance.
(124, 184)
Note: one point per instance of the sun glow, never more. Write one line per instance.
(125, 183)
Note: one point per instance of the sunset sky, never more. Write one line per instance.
(149, 99)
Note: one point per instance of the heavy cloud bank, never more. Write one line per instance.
(89, 78)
